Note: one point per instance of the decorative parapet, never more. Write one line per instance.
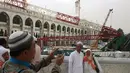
(41, 10)
(33, 10)
(6, 6)
(113, 54)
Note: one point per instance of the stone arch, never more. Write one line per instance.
(53, 27)
(29, 22)
(38, 24)
(76, 31)
(64, 29)
(29, 25)
(81, 32)
(59, 28)
(38, 28)
(72, 30)
(68, 29)
(17, 20)
(46, 25)
(4, 19)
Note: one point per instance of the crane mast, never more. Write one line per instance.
(107, 17)
(95, 44)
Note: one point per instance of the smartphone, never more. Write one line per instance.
(58, 52)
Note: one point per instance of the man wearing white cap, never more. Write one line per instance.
(22, 52)
(76, 59)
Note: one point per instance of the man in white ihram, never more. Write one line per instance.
(76, 59)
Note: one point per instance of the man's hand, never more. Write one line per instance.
(51, 54)
(54, 50)
(59, 59)
(50, 57)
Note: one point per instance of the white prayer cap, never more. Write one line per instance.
(2, 51)
(79, 43)
(19, 40)
(88, 50)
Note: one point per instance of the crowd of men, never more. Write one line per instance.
(23, 56)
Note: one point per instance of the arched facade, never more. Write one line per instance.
(79, 31)
(53, 29)
(59, 30)
(68, 31)
(75, 32)
(29, 25)
(46, 28)
(40, 27)
(82, 32)
(17, 23)
(72, 31)
(64, 30)
(17, 20)
(5, 24)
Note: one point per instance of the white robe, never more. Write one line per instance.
(88, 68)
(76, 62)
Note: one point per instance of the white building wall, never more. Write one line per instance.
(24, 14)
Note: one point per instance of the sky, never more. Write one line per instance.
(93, 10)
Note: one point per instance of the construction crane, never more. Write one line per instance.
(111, 33)
(110, 11)
(95, 44)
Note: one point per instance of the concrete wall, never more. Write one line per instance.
(108, 65)
(116, 68)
